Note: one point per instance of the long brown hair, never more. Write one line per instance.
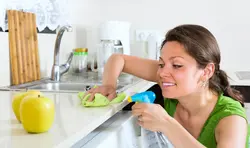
(200, 43)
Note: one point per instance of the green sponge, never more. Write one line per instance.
(100, 100)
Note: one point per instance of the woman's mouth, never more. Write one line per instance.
(168, 84)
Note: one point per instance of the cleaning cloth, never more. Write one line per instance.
(100, 100)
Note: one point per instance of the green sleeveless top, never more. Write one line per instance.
(225, 106)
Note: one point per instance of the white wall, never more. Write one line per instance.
(226, 19)
(4, 60)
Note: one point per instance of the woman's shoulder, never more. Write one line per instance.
(228, 102)
(227, 106)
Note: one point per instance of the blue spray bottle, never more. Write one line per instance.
(147, 136)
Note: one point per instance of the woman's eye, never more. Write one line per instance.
(177, 66)
(161, 65)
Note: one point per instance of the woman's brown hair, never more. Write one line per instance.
(200, 43)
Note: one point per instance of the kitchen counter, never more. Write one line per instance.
(72, 121)
(74, 124)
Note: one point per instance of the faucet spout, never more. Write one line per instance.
(55, 73)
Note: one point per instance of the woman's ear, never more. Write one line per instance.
(209, 71)
(206, 74)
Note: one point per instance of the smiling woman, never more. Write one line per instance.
(200, 108)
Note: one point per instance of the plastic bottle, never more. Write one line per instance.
(150, 139)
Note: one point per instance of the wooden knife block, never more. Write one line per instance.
(23, 47)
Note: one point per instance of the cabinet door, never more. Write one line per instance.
(120, 131)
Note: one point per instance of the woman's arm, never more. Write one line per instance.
(117, 63)
(231, 132)
(179, 136)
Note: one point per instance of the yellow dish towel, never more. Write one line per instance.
(100, 100)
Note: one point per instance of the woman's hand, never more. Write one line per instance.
(106, 90)
(150, 116)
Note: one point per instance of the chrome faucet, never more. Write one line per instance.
(58, 70)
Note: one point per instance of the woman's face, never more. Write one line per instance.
(178, 72)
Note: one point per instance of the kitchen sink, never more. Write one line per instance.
(61, 87)
(66, 87)
(51, 86)
(70, 83)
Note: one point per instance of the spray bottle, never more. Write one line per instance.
(148, 139)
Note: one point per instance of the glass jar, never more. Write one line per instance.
(79, 62)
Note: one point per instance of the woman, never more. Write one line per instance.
(200, 109)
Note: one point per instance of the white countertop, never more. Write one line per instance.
(72, 121)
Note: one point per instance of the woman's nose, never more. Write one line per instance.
(164, 72)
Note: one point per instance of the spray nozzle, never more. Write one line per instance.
(144, 97)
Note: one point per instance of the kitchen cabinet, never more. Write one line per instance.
(120, 131)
